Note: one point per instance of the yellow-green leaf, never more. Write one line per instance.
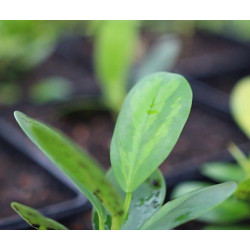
(149, 125)
(36, 219)
(76, 164)
(114, 50)
(240, 104)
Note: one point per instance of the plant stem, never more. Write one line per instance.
(240, 157)
(101, 222)
(127, 204)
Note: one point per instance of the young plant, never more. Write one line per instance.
(131, 194)
(236, 208)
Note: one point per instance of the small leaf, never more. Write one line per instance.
(243, 190)
(149, 125)
(240, 103)
(76, 164)
(223, 171)
(189, 206)
(146, 200)
(161, 57)
(186, 187)
(36, 219)
(114, 50)
(50, 90)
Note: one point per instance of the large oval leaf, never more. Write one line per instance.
(36, 219)
(189, 206)
(149, 125)
(240, 104)
(76, 164)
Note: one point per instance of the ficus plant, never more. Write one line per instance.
(236, 208)
(131, 194)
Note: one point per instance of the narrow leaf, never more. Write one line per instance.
(76, 164)
(36, 219)
(189, 206)
(149, 125)
(223, 171)
(114, 51)
(240, 103)
(161, 57)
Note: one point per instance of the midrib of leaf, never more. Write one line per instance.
(145, 125)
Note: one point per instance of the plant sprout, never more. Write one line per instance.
(131, 194)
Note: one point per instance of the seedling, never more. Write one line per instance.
(236, 208)
(131, 194)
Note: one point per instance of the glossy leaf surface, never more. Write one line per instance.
(76, 164)
(149, 125)
(240, 103)
(36, 219)
(189, 206)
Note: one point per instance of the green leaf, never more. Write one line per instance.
(230, 211)
(36, 219)
(149, 125)
(243, 190)
(146, 200)
(50, 89)
(186, 187)
(76, 164)
(161, 57)
(240, 103)
(107, 222)
(227, 227)
(189, 206)
(223, 171)
(114, 51)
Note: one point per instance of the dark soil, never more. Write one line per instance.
(23, 181)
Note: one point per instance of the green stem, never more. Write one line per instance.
(101, 223)
(127, 204)
(115, 224)
(240, 157)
